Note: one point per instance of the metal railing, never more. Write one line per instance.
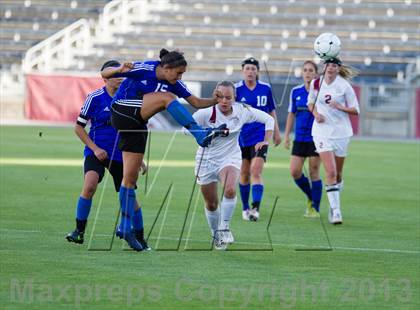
(60, 48)
(118, 16)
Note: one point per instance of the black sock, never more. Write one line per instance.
(139, 234)
(256, 205)
(81, 225)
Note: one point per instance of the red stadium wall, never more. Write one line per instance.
(57, 98)
(418, 113)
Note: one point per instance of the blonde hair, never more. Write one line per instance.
(347, 72)
(227, 84)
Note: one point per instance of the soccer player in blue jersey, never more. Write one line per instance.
(258, 95)
(150, 87)
(100, 152)
(303, 144)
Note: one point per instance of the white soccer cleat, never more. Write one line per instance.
(335, 217)
(245, 215)
(228, 237)
(219, 242)
(254, 215)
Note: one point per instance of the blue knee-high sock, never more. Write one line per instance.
(257, 193)
(304, 185)
(245, 189)
(83, 208)
(316, 194)
(184, 118)
(138, 220)
(127, 201)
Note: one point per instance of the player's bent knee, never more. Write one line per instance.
(211, 206)
(256, 174)
(331, 175)
(167, 97)
(130, 180)
(230, 193)
(314, 175)
(295, 173)
(89, 190)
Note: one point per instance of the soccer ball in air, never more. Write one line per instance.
(327, 45)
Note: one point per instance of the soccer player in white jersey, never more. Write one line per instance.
(221, 161)
(331, 131)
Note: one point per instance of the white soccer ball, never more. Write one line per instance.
(327, 45)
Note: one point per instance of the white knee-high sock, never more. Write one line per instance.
(340, 185)
(333, 193)
(228, 207)
(213, 218)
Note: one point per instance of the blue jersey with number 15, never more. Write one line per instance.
(142, 80)
(260, 98)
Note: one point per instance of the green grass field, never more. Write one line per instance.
(374, 262)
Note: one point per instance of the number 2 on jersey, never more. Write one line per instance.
(327, 99)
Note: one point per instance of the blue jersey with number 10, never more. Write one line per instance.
(260, 98)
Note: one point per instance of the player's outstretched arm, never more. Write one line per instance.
(201, 103)
(110, 72)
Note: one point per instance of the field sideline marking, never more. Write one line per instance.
(356, 249)
(67, 162)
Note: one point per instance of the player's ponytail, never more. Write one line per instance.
(163, 52)
(347, 72)
(171, 59)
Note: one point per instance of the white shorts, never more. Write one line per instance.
(209, 171)
(337, 146)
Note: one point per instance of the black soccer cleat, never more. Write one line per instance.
(76, 237)
(130, 238)
(140, 238)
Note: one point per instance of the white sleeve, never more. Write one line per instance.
(351, 98)
(255, 115)
(312, 94)
(200, 117)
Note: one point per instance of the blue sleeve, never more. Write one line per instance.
(237, 90)
(139, 71)
(88, 109)
(292, 102)
(271, 101)
(181, 90)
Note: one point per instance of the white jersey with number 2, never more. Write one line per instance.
(337, 123)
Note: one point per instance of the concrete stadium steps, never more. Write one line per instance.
(282, 18)
(273, 7)
(182, 27)
(271, 43)
(57, 3)
(46, 13)
(25, 23)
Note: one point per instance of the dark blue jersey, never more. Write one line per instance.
(260, 98)
(97, 109)
(142, 80)
(304, 118)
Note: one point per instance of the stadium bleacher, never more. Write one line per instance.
(24, 23)
(379, 37)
